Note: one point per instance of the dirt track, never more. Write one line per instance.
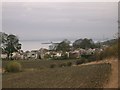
(113, 83)
(0, 70)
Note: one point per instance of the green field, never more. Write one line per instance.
(38, 74)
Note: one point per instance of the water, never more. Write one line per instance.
(36, 45)
(33, 45)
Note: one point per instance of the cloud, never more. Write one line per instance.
(48, 21)
(60, 0)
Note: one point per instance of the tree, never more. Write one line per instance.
(77, 43)
(3, 37)
(11, 44)
(84, 43)
(64, 46)
(3, 40)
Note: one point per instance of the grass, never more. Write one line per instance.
(39, 64)
(89, 76)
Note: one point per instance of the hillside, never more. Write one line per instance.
(90, 75)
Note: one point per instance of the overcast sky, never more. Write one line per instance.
(47, 21)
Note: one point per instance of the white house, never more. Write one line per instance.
(58, 54)
(3, 56)
(32, 55)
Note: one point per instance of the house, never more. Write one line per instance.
(3, 56)
(90, 51)
(82, 51)
(33, 54)
(57, 54)
(74, 54)
(42, 52)
(16, 56)
(25, 55)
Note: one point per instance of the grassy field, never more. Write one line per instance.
(38, 64)
(37, 74)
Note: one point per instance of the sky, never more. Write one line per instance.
(52, 21)
(60, 0)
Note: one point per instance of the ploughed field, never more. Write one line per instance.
(38, 74)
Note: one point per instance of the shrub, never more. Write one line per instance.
(64, 56)
(97, 56)
(92, 58)
(79, 62)
(69, 63)
(62, 65)
(52, 65)
(110, 51)
(47, 56)
(86, 61)
(13, 66)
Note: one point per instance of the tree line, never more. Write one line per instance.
(10, 43)
(80, 43)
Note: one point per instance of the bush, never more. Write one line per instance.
(69, 63)
(52, 65)
(79, 62)
(62, 65)
(92, 58)
(64, 56)
(97, 56)
(110, 51)
(13, 66)
(47, 56)
(86, 61)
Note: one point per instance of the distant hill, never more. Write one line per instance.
(109, 42)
